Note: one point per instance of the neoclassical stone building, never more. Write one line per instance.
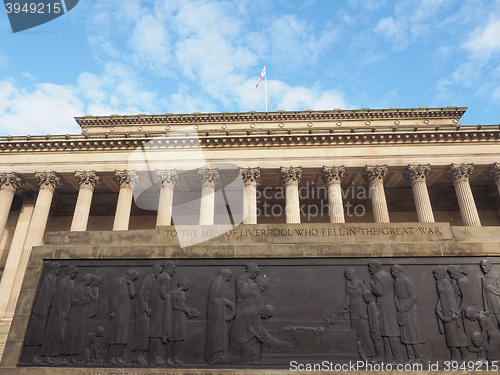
(339, 166)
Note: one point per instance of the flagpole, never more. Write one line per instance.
(265, 87)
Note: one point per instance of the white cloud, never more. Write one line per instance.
(48, 108)
(117, 89)
(4, 61)
(294, 42)
(395, 31)
(151, 44)
(412, 20)
(202, 53)
(484, 41)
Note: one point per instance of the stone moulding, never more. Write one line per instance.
(320, 137)
(451, 112)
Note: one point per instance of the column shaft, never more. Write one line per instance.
(165, 205)
(251, 178)
(34, 237)
(460, 175)
(9, 183)
(250, 204)
(292, 209)
(375, 175)
(13, 260)
(379, 203)
(208, 178)
(82, 209)
(6, 197)
(290, 177)
(422, 202)
(207, 204)
(335, 203)
(466, 203)
(123, 208)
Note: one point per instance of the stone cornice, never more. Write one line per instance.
(320, 137)
(336, 114)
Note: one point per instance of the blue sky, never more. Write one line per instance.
(165, 56)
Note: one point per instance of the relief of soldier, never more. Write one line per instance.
(148, 313)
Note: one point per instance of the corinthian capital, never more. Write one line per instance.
(208, 176)
(375, 174)
(10, 181)
(494, 172)
(251, 176)
(291, 175)
(48, 180)
(127, 178)
(168, 176)
(459, 172)
(332, 175)
(87, 179)
(417, 173)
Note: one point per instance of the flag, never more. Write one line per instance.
(261, 75)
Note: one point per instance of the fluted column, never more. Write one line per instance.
(208, 178)
(494, 173)
(417, 175)
(169, 179)
(87, 180)
(460, 174)
(290, 177)
(14, 255)
(126, 180)
(374, 176)
(332, 177)
(48, 182)
(9, 183)
(251, 178)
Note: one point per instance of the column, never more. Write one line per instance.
(48, 182)
(290, 177)
(332, 176)
(374, 176)
(417, 175)
(9, 183)
(14, 256)
(126, 180)
(208, 178)
(87, 181)
(494, 173)
(251, 178)
(169, 179)
(460, 174)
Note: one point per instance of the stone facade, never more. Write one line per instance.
(395, 167)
